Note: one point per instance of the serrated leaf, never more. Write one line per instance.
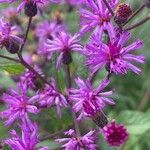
(13, 68)
(136, 122)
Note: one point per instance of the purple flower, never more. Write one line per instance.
(24, 2)
(115, 134)
(74, 2)
(29, 138)
(89, 100)
(18, 105)
(64, 44)
(30, 79)
(46, 30)
(97, 17)
(50, 96)
(87, 141)
(11, 14)
(8, 33)
(115, 55)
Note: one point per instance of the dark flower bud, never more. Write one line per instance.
(30, 9)
(12, 47)
(1, 146)
(67, 58)
(70, 8)
(122, 13)
(107, 67)
(100, 120)
(147, 3)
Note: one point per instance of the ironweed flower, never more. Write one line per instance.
(8, 35)
(87, 141)
(30, 79)
(24, 3)
(74, 2)
(64, 44)
(18, 105)
(50, 96)
(27, 141)
(115, 134)
(11, 14)
(89, 100)
(46, 30)
(97, 17)
(115, 55)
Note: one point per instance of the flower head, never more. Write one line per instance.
(74, 2)
(114, 55)
(26, 2)
(64, 44)
(115, 134)
(87, 141)
(8, 34)
(18, 105)
(89, 100)
(30, 79)
(97, 17)
(29, 138)
(46, 30)
(51, 96)
(122, 13)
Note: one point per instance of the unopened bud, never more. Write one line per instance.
(12, 47)
(100, 120)
(122, 13)
(67, 58)
(30, 9)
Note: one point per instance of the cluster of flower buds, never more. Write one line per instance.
(115, 55)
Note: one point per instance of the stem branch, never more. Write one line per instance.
(9, 58)
(76, 126)
(134, 14)
(23, 62)
(26, 35)
(147, 18)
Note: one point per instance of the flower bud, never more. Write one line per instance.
(100, 120)
(30, 9)
(122, 13)
(12, 47)
(115, 134)
(107, 67)
(67, 58)
(147, 3)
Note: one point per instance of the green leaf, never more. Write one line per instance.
(136, 122)
(6, 147)
(48, 143)
(13, 68)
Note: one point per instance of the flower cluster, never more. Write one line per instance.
(8, 36)
(88, 141)
(29, 138)
(89, 100)
(109, 48)
(18, 105)
(64, 44)
(114, 55)
(50, 96)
